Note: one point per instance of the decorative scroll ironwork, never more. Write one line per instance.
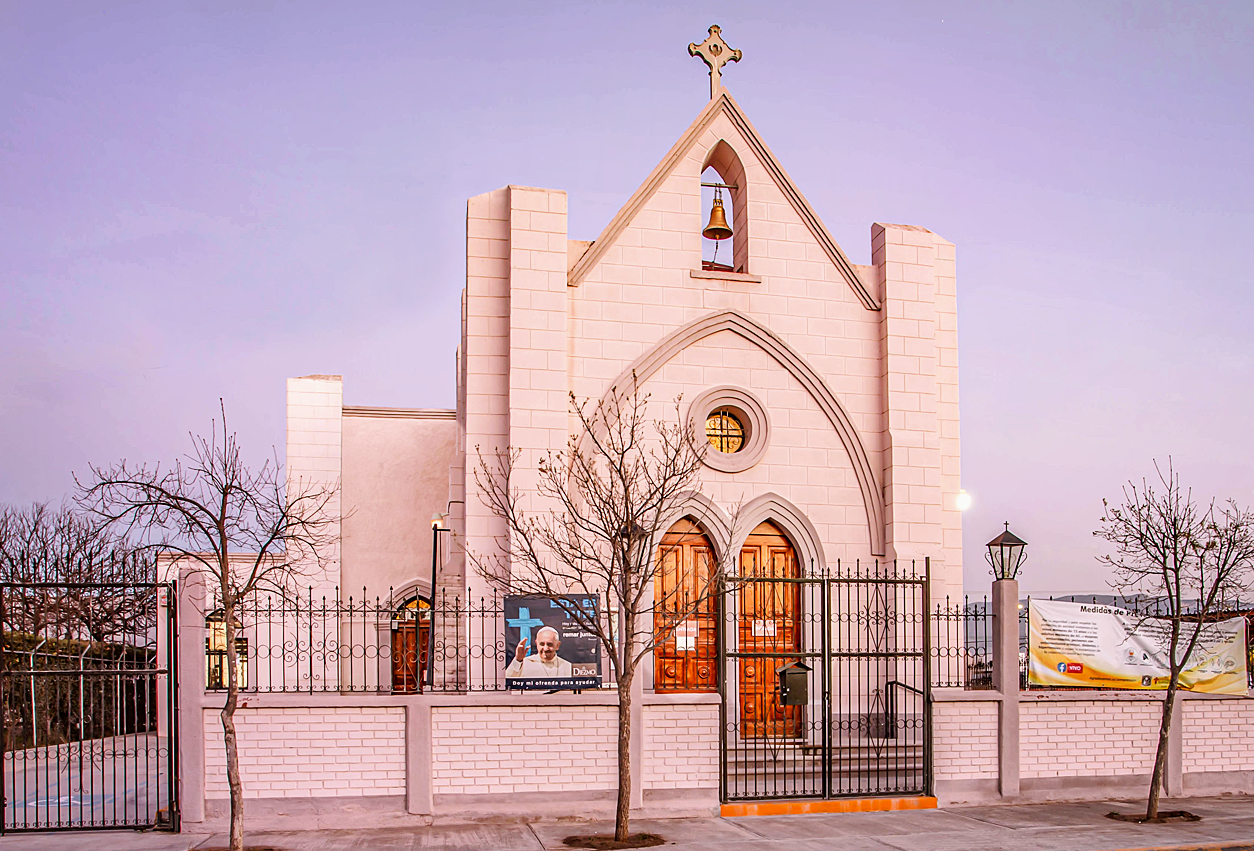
(962, 645)
(311, 643)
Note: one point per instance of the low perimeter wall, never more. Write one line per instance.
(1012, 745)
(371, 759)
(340, 760)
(1087, 745)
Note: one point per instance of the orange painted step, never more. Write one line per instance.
(841, 805)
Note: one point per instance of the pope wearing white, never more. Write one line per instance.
(544, 664)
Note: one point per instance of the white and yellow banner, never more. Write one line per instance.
(1081, 644)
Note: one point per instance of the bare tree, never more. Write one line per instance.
(246, 529)
(601, 506)
(71, 579)
(1190, 561)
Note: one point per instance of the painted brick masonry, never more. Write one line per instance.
(298, 752)
(1218, 735)
(1088, 739)
(681, 747)
(495, 750)
(964, 740)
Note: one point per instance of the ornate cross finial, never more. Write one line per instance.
(715, 53)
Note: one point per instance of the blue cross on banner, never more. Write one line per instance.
(524, 622)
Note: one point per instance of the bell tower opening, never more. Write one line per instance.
(725, 234)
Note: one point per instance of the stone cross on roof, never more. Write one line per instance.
(715, 53)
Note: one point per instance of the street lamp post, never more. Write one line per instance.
(1005, 555)
(437, 526)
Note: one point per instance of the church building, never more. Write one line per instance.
(839, 380)
(828, 393)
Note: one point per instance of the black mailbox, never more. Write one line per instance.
(794, 683)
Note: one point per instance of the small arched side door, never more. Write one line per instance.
(411, 644)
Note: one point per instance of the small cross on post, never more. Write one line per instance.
(715, 53)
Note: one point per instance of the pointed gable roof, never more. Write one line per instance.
(724, 104)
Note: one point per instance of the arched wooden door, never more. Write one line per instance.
(768, 624)
(411, 642)
(687, 659)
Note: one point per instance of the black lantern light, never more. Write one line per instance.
(1006, 553)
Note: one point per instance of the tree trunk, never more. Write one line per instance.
(1160, 759)
(622, 812)
(228, 733)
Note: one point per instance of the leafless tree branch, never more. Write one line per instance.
(1190, 560)
(247, 529)
(601, 506)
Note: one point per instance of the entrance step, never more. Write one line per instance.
(837, 805)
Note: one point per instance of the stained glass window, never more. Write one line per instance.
(725, 431)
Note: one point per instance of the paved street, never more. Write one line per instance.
(1227, 823)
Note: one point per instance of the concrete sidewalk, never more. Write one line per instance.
(1227, 823)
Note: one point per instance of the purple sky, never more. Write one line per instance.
(200, 201)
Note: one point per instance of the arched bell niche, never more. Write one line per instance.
(722, 165)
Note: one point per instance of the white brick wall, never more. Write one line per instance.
(1085, 739)
(681, 747)
(310, 753)
(964, 740)
(1218, 735)
(490, 750)
(315, 407)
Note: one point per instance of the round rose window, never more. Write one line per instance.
(735, 426)
(725, 431)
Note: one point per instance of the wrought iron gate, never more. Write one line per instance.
(851, 650)
(88, 714)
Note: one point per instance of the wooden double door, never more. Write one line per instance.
(766, 618)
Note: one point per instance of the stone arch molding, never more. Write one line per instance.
(415, 587)
(713, 521)
(643, 367)
(796, 527)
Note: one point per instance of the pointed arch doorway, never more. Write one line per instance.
(687, 659)
(768, 632)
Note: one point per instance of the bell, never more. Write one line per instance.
(717, 228)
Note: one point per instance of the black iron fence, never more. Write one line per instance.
(87, 725)
(387, 645)
(312, 643)
(825, 683)
(61, 691)
(962, 644)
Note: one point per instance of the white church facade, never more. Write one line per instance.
(844, 376)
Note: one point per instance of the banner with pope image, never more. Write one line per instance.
(1080, 644)
(546, 648)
